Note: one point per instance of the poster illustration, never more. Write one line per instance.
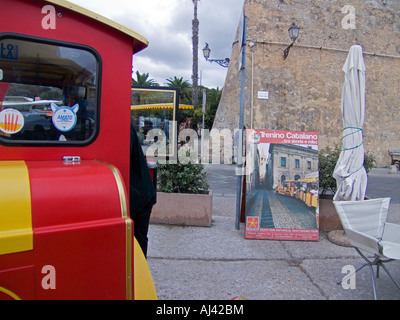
(282, 185)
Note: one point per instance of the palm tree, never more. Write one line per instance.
(143, 80)
(214, 96)
(212, 102)
(184, 88)
(184, 96)
(195, 45)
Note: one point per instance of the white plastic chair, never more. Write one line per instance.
(366, 228)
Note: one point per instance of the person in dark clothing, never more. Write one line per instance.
(142, 194)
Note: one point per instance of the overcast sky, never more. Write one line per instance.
(167, 24)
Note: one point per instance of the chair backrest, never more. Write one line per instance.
(364, 216)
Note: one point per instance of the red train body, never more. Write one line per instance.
(65, 231)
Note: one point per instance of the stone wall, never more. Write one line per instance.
(305, 89)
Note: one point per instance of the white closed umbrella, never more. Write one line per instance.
(349, 172)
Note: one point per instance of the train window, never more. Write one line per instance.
(48, 92)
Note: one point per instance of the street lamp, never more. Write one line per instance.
(293, 34)
(222, 62)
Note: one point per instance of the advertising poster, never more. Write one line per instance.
(282, 185)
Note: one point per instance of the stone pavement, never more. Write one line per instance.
(218, 263)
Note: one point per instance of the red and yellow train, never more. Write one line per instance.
(65, 97)
(305, 189)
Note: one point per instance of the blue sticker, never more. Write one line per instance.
(64, 118)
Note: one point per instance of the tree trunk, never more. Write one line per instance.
(195, 42)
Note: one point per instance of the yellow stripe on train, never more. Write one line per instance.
(16, 232)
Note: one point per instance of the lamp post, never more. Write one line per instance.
(293, 34)
(222, 62)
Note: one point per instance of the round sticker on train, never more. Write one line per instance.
(11, 121)
(64, 118)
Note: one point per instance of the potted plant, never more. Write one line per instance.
(183, 195)
(328, 157)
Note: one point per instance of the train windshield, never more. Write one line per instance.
(48, 92)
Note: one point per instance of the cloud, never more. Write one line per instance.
(167, 24)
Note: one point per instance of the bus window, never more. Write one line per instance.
(154, 112)
(48, 92)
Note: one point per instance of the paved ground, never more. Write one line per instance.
(218, 263)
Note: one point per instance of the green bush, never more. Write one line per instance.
(369, 161)
(182, 178)
(328, 158)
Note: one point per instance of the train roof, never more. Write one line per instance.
(143, 42)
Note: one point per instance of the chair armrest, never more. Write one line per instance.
(391, 232)
(391, 241)
(363, 241)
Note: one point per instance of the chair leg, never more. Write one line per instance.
(350, 274)
(372, 277)
(369, 263)
(373, 281)
(389, 274)
(378, 263)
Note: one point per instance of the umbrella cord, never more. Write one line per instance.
(354, 172)
(362, 142)
(354, 132)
